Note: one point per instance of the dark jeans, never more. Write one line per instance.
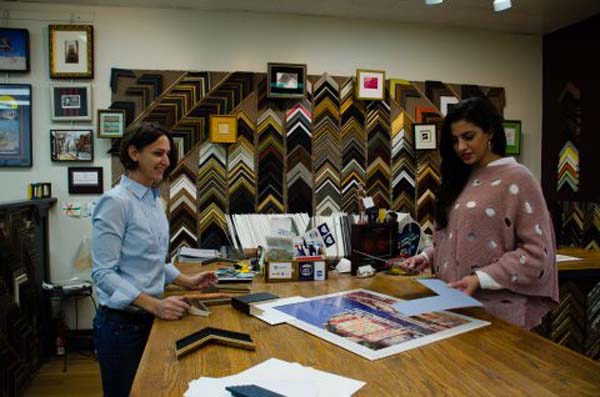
(119, 339)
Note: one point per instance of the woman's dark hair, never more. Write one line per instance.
(455, 172)
(146, 134)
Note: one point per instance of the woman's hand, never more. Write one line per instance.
(171, 308)
(416, 264)
(468, 284)
(202, 280)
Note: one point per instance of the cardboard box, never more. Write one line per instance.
(296, 270)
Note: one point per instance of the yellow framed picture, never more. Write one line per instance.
(223, 129)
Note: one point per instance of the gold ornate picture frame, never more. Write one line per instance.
(223, 129)
(71, 51)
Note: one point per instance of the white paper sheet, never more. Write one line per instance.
(289, 379)
(447, 298)
(566, 258)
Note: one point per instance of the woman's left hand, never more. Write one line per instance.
(468, 284)
(202, 280)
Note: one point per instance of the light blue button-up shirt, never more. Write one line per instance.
(130, 239)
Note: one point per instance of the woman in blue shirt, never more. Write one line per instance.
(130, 241)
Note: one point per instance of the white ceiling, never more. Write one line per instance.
(525, 16)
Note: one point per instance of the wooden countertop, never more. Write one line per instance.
(499, 359)
(590, 260)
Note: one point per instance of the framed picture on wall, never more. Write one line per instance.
(286, 80)
(425, 136)
(71, 102)
(71, 145)
(369, 84)
(14, 50)
(85, 180)
(512, 131)
(15, 125)
(111, 123)
(223, 129)
(71, 51)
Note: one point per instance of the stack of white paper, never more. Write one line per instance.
(289, 379)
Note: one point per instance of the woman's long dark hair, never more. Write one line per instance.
(455, 172)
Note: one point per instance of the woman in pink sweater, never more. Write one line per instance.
(494, 237)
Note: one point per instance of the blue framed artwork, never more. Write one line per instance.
(15, 125)
(14, 50)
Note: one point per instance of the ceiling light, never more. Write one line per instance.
(433, 2)
(501, 5)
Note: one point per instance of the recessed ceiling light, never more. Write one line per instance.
(433, 2)
(501, 5)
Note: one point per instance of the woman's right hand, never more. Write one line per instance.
(171, 308)
(416, 264)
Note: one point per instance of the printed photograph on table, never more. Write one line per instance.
(111, 123)
(223, 129)
(71, 102)
(286, 80)
(370, 84)
(512, 131)
(365, 322)
(14, 50)
(15, 125)
(425, 136)
(85, 180)
(71, 145)
(71, 51)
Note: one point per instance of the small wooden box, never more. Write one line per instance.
(296, 270)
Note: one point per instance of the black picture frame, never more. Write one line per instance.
(71, 145)
(14, 50)
(286, 80)
(15, 125)
(71, 102)
(85, 180)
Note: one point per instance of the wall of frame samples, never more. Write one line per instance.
(79, 83)
(303, 152)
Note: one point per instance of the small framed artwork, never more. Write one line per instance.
(85, 180)
(425, 136)
(71, 51)
(369, 84)
(71, 102)
(15, 125)
(71, 145)
(512, 131)
(223, 129)
(111, 123)
(286, 80)
(14, 50)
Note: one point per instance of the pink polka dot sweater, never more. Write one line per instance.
(500, 225)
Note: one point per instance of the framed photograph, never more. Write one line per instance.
(223, 129)
(14, 50)
(85, 180)
(286, 80)
(71, 51)
(111, 123)
(71, 102)
(15, 125)
(425, 136)
(369, 84)
(512, 130)
(71, 145)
